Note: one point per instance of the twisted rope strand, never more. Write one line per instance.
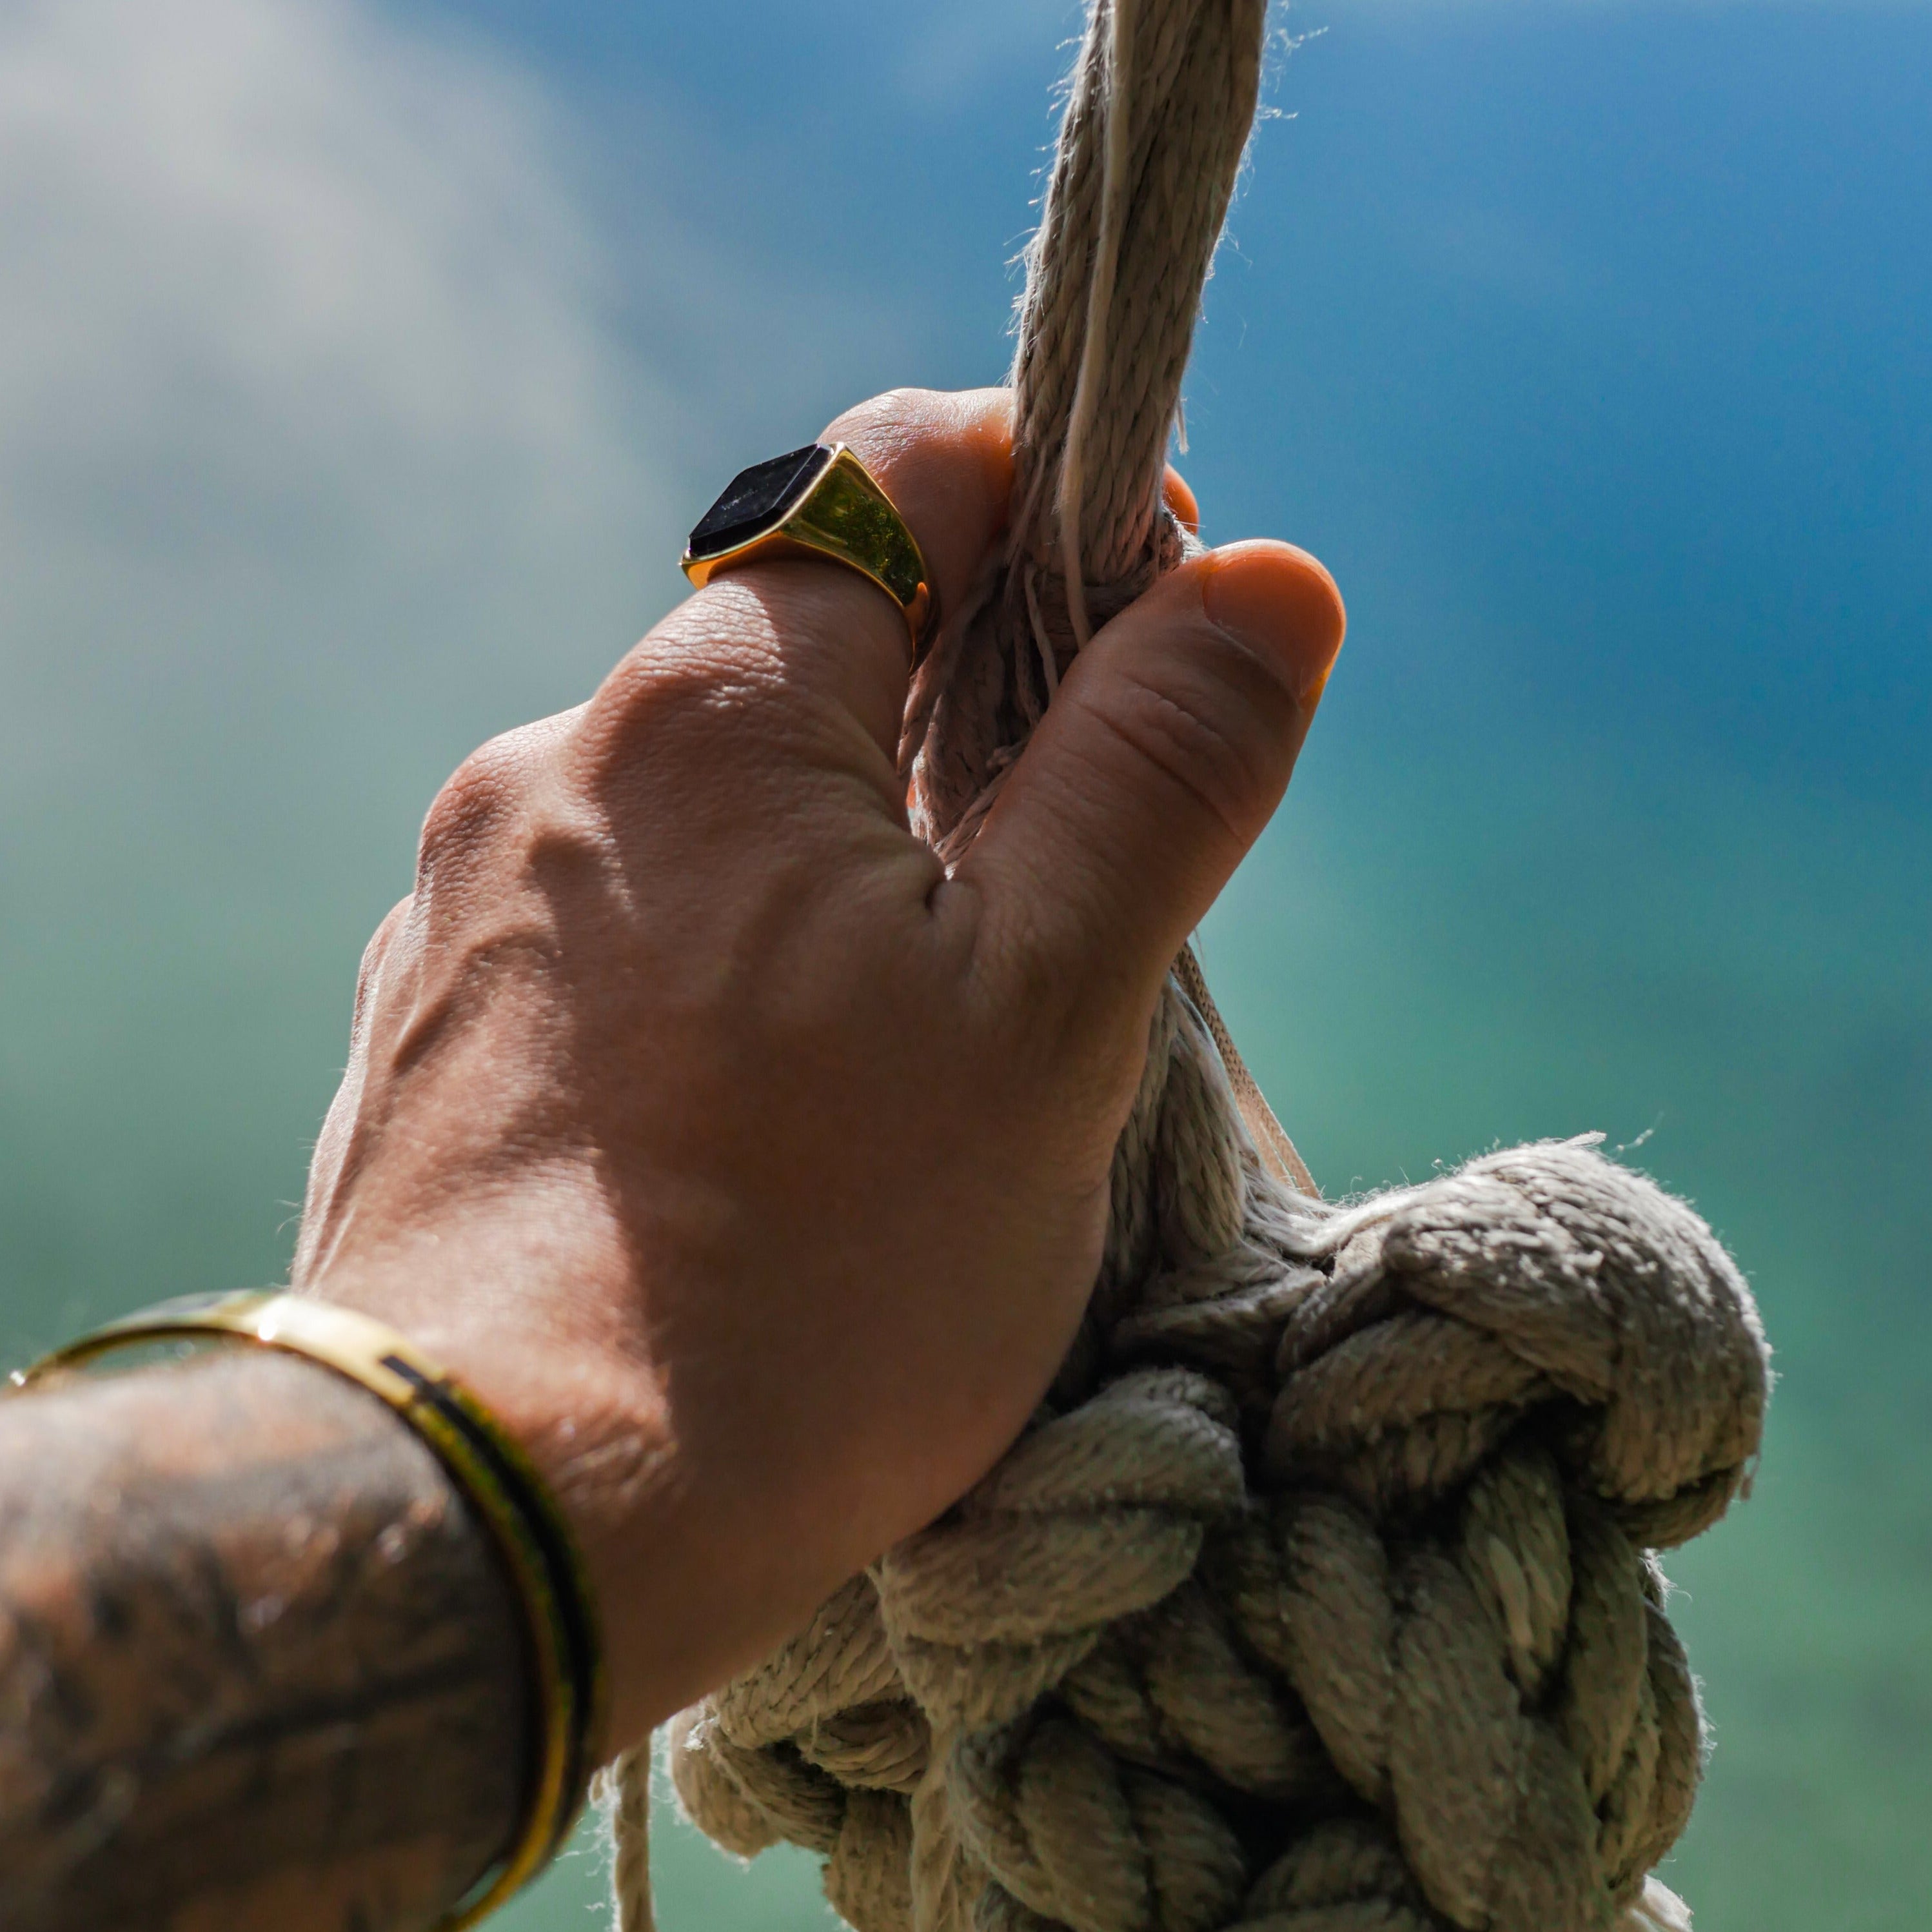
(1099, 308)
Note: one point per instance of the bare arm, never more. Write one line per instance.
(258, 1667)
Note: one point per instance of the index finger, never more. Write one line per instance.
(945, 458)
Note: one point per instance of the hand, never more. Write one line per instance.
(751, 1169)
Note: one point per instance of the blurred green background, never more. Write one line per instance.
(361, 362)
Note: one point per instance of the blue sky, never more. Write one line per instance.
(361, 362)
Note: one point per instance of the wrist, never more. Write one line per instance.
(205, 1555)
(502, 1493)
(592, 1415)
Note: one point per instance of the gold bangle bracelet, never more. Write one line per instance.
(496, 1478)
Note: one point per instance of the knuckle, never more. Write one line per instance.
(690, 688)
(1212, 730)
(648, 686)
(382, 943)
(480, 795)
(387, 965)
(882, 418)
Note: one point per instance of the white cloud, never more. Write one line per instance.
(279, 206)
(305, 368)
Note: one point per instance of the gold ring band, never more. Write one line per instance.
(818, 502)
(498, 1480)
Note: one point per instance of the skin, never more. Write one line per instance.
(257, 1666)
(752, 1170)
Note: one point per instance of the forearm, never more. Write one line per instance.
(258, 1667)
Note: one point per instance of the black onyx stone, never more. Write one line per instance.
(755, 498)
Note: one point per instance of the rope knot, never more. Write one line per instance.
(1093, 1515)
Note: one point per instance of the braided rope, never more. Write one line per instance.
(1322, 1595)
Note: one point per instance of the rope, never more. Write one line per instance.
(1322, 1595)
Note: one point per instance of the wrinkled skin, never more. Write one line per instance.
(753, 1170)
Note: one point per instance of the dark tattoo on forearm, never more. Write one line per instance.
(259, 1668)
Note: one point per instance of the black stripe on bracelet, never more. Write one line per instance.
(548, 1535)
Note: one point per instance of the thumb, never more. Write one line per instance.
(1162, 756)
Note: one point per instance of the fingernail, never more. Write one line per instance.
(1283, 605)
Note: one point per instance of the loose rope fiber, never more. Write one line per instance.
(1321, 1596)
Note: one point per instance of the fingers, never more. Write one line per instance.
(945, 461)
(945, 458)
(1178, 495)
(1163, 756)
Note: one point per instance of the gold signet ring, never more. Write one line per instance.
(820, 501)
